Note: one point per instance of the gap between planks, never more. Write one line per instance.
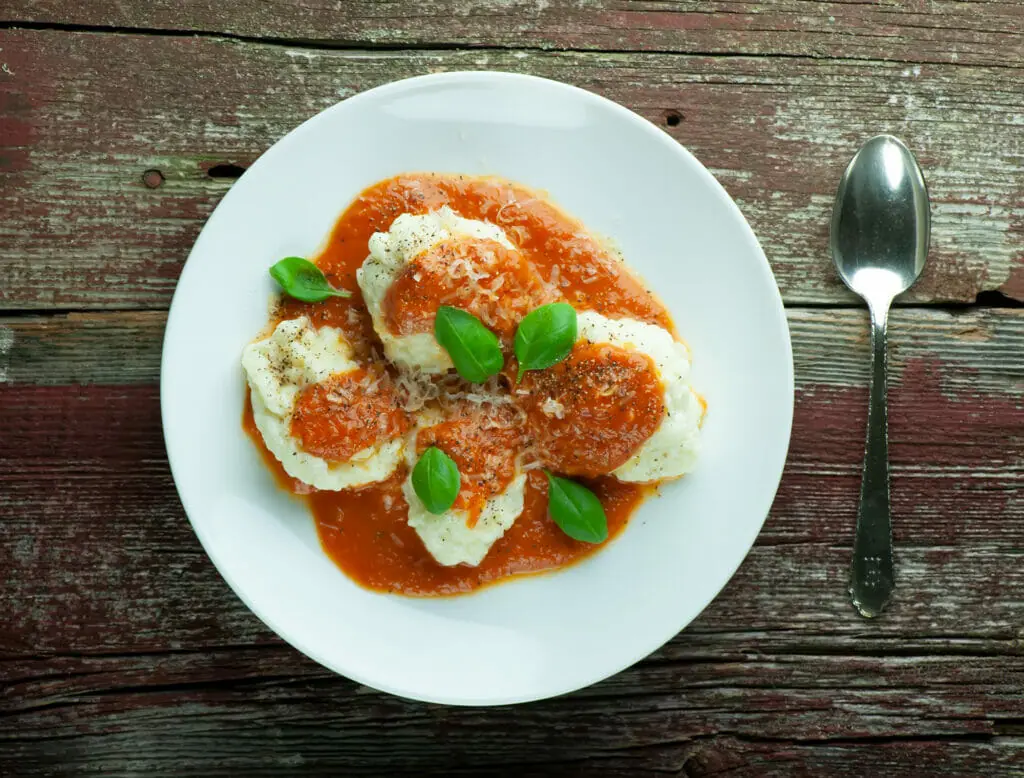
(358, 47)
(991, 301)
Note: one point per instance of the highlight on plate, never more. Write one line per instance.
(466, 385)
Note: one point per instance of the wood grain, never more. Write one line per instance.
(990, 33)
(119, 632)
(123, 651)
(259, 711)
(87, 117)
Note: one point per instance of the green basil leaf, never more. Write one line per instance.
(474, 349)
(436, 480)
(301, 279)
(545, 337)
(576, 510)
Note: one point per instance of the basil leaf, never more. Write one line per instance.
(545, 337)
(301, 279)
(436, 480)
(576, 510)
(474, 349)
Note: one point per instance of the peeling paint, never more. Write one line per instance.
(972, 155)
(980, 350)
(6, 346)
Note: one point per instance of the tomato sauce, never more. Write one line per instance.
(365, 531)
(484, 447)
(340, 417)
(441, 276)
(366, 534)
(586, 272)
(590, 412)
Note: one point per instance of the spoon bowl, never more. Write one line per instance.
(880, 224)
(879, 242)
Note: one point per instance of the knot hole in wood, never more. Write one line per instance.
(225, 170)
(152, 178)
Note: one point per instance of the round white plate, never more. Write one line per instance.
(542, 635)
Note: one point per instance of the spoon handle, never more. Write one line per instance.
(871, 575)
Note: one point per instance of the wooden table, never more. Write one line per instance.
(124, 653)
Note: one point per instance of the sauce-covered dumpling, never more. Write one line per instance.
(620, 404)
(331, 423)
(439, 258)
(486, 443)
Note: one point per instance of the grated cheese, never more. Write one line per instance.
(551, 407)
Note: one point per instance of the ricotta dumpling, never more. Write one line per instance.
(440, 258)
(485, 442)
(620, 404)
(332, 424)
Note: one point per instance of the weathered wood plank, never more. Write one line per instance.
(85, 116)
(990, 33)
(82, 348)
(242, 710)
(711, 697)
(736, 757)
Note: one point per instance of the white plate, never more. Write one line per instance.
(542, 635)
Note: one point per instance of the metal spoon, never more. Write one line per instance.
(879, 241)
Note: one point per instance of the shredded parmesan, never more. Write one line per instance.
(415, 389)
(490, 392)
(520, 235)
(551, 407)
(460, 267)
(500, 216)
